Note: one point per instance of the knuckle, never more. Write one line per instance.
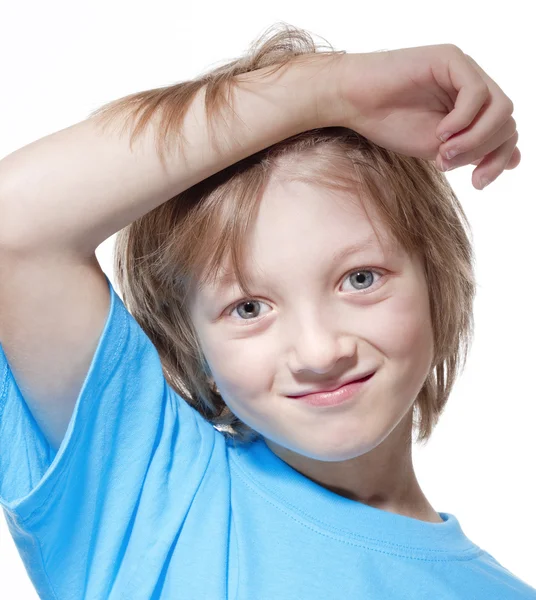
(508, 147)
(483, 90)
(506, 112)
(456, 49)
(512, 127)
(468, 57)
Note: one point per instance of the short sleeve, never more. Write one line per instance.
(129, 435)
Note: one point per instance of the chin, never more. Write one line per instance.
(327, 451)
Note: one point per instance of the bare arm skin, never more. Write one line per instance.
(63, 195)
(78, 186)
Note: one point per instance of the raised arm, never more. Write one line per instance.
(63, 195)
(77, 187)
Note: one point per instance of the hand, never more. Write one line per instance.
(403, 100)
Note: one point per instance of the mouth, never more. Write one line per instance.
(330, 391)
(342, 395)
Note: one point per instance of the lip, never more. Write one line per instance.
(333, 388)
(335, 397)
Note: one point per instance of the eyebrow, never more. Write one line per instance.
(228, 278)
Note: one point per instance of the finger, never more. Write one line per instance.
(470, 153)
(495, 118)
(472, 90)
(514, 161)
(494, 158)
(494, 163)
(494, 111)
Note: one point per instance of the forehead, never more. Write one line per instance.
(382, 250)
(226, 276)
(300, 225)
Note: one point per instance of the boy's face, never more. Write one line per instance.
(312, 321)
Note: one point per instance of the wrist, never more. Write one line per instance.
(308, 87)
(317, 84)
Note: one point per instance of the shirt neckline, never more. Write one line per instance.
(318, 507)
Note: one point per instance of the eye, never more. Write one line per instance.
(249, 309)
(362, 278)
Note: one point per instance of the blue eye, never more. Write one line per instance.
(249, 308)
(362, 278)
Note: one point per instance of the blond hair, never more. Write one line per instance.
(160, 256)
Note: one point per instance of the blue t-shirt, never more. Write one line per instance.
(145, 499)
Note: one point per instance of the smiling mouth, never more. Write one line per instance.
(341, 395)
(361, 379)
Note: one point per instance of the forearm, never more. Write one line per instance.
(75, 188)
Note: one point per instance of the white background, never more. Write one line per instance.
(61, 60)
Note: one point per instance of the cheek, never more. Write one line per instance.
(402, 329)
(243, 368)
(245, 373)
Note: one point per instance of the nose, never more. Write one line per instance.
(318, 345)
